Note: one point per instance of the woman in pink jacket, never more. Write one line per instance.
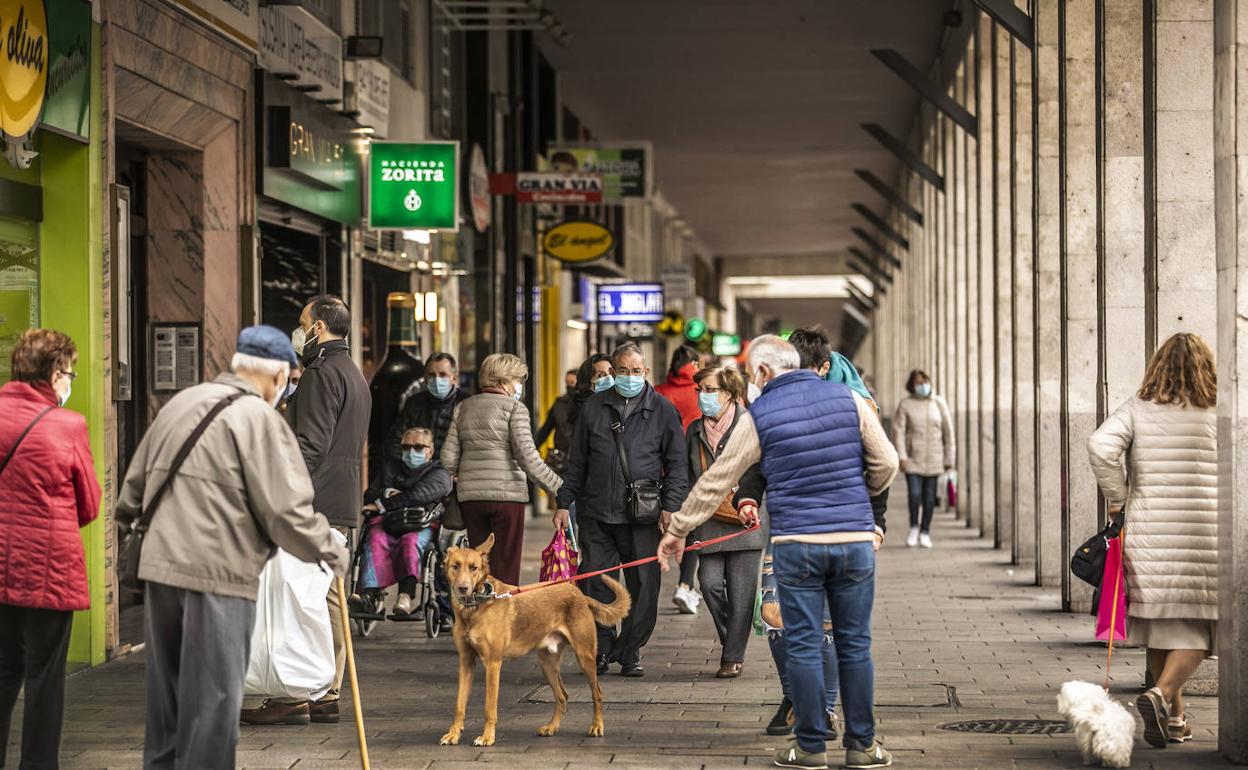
(48, 490)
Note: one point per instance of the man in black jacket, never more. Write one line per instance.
(329, 414)
(430, 408)
(594, 480)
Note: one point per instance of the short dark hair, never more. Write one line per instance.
(914, 375)
(40, 353)
(333, 312)
(626, 349)
(812, 346)
(586, 370)
(442, 355)
(682, 357)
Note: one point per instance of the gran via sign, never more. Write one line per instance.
(413, 186)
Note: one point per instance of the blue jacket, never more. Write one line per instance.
(812, 456)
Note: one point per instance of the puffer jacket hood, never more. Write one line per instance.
(1161, 460)
(490, 447)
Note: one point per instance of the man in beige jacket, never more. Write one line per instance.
(242, 490)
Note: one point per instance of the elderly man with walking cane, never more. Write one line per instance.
(823, 453)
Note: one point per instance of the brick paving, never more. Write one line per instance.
(958, 636)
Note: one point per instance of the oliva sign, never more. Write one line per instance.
(24, 63)
(578, 241)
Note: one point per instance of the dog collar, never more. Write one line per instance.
(480, 597)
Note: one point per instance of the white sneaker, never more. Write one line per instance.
(686, 600)
(925, 540)
(912, 539)
(403, 605)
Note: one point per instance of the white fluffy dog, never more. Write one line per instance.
(1104, 729)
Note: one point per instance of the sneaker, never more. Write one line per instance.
(793, 756)
(925, 540)
(273, 712)
(402, 606)
(364, 607)
(912, 539)
(860, 759)
(780, 724)
(1156, 713)
(1180, 730)
(686, 600)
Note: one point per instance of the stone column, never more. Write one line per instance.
(961, 191)
(1047, 296)
(1023, 546)
(985, 303)
(972, 471)
(1003, 299)
(1230, 109)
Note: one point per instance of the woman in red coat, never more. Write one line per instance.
(680, 390)
(48, 490)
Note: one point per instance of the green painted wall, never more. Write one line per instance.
(71, 295)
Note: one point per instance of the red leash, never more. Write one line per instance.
(697, 546)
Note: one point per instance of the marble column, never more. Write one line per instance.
(1230, 111)
(984, 486)
(972, 471)
(961, 278)
(1023, 546)
(1003, 293)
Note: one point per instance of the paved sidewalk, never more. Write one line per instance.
(958, 638)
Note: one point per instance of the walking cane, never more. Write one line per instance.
(345, 622)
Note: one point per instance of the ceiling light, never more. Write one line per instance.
(576, 323)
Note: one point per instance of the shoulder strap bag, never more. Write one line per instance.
(1088, 561)
(132, 545)
(16, 444)
(726, 512)
(644, 503)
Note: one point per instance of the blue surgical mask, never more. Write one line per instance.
(605, 382)
(923, 389)
(440, 387)
(629, 385)
(518, 390)
(710, 404)
(413, 458)
(291, 387)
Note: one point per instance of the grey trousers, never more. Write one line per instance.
(729, 581)
(198, 645)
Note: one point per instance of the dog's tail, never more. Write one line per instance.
(616, 611)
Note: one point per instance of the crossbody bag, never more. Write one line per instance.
(16, 444)
(726, 512)
(131, 549)
(644, 503)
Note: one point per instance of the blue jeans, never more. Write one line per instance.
(922, 494)
(843, 575)
(831, 677)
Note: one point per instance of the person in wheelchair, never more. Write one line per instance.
(401, 511)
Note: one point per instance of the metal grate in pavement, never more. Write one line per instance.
(1009, 726)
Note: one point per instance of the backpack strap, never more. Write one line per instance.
(16, 444)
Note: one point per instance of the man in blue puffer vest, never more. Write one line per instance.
(823, 453)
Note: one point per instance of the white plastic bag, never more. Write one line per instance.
(292, 644)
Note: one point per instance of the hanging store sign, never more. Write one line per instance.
(479, 189)
(413, 186)
(370, 90)
(578, 241)
(236, 19)
(67, 104)
(23, 66)
(557, 187)
(625, 170)
(630, 302)
(725, 344)
(301, 50)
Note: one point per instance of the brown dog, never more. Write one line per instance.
(494, 629)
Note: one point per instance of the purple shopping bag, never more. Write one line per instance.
(560, 558)
(1111, 613)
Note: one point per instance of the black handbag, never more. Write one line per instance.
(402, 521)
(131, 548)
(1088, 561)
(645, 503)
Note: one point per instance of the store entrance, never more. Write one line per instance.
(300, 257)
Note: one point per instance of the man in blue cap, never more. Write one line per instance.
(242, 489)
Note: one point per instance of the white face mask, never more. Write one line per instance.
(278, 392)
(519, 388)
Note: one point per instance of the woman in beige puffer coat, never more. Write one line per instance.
(1157, 457)
(490, 449)
(923, 435)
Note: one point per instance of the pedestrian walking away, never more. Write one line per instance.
(490, 449)
(1156, 460)
(823, 453)
(923, 435)
(624, 501)
(48, 491)
(329, 414)
(242, 490)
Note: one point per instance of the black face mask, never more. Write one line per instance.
(311, 349)
(571, 390)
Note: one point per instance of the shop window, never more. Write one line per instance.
(19, 285)
(290, 273)
(392, 21)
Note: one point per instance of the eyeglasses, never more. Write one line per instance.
(639, 372)
(417, 447)
(71, 375)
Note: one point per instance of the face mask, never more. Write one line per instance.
(61, 400)
(519, 390)
(629, 385)
(605, 382)
(291, 386)
(440, 387)
(752, 392)
(710, 404)
(923, 389)
(278, 393)
(414, 459)
(298, 338)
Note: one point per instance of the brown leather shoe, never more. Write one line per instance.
(325, 711)
(728, 671)
(273, 712)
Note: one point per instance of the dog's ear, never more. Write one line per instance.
(485, 547)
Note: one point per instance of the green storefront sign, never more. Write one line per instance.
(67, 100)
(413, 186)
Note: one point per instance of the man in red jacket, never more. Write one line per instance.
(680, 390)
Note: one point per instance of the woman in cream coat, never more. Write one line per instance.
(1156, 456)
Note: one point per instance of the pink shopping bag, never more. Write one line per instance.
(1112, 610)
(951, 488)
(560, 558)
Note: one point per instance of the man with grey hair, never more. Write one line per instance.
(241, 490)
(624, 501)
(823, 453)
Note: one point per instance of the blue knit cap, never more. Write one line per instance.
(267, 342)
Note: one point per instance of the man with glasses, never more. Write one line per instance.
(611, 528)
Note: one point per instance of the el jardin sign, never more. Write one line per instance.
(413, 186)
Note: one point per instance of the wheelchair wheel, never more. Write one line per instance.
(433, 619)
